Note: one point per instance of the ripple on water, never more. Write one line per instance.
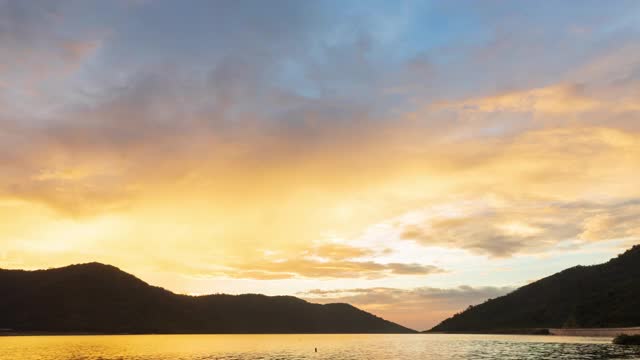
(330, 347)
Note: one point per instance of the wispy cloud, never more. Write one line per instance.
(505, 229)
(326, 261)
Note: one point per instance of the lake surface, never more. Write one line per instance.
(285, 347)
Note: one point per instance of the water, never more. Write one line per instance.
(285, 347)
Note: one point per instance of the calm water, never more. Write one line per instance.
(284, 347)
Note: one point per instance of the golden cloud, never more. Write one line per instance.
(506, 228)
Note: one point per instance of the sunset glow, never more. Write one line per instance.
(334, 151)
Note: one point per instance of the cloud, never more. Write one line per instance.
(330, 269)
(553, 100)
(77, 51)
(326, 261)
(44, 58)
(419, 308)
(339, 252)
(505, 229)
(270, 107)
(210, 142)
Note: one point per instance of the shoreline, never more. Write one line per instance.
(577, 332)
(596, 332)
(46, 333)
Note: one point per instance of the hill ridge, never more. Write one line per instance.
(96, 297)
(596, 296)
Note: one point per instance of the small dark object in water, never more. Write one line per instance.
(627, 339)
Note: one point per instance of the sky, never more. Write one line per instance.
(411, 157)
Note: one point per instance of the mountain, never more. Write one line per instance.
(103, 299)
(605, 295)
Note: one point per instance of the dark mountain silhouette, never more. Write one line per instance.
(101, 298)
(605, 295)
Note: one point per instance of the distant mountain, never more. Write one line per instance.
(605, 295)
(101, 298)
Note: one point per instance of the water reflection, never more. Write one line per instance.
(284, 347)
